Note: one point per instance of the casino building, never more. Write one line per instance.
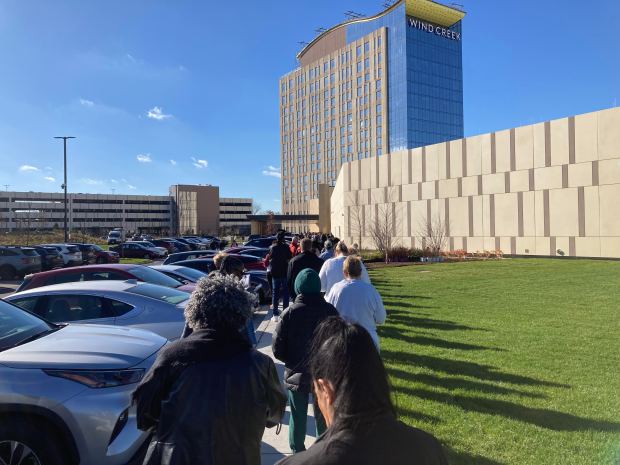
(369, 87)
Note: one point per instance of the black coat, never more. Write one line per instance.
(279, 256)
(299, 263)
(293, 336)
(208, 399)
(384, 441)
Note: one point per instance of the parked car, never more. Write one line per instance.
(149, 245)
(65, 390)
(257, 279)
(250, 262)
(115, 237)
(50, 257)
(180, 273)
(18, 261)
(180, 256)
(105, 256)
(205, 265)
(166, 244)
(254, 251)
(181, 247)
(70, 254)
(193, 245)
(112, 272)
(119, 303)
(262, 243)
(137, 250)
(88, 253)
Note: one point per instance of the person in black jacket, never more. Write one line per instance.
(278, 258)
(306, 259)
(208, 397)
(291, 344)
(353, 393)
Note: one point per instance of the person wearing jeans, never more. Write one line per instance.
(291, 345)
(278, 258)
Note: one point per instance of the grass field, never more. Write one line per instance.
(135, 261)
(508, 362)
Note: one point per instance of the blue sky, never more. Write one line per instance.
(160, 92)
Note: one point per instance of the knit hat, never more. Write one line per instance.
(308, 282)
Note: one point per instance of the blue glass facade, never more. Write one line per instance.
(425, 81)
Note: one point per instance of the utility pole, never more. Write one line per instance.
(64, 186)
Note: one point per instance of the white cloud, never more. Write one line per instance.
(87, 103)
(113, 181)
(144, 158)
(129, 186)
(272, 171)
(200, 163)
(157, 114)
(130, 57)
(50, 178)
(26, 168)
(91, 182)
(124, 180)
(173, 162)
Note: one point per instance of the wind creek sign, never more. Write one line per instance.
(433, 29)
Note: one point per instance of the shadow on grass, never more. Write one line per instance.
(453, 383)
(544, 418)
(393, 303)
(408, 319)
(405, 414)
(463, 458)
(458, 367)
(405, 336)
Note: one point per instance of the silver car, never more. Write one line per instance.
(65, 391)
(70, 254)
(120, 303)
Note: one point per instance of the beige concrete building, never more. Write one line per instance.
(547, 189)
(200, 210)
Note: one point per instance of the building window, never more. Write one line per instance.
(366, 47)
(359, 51)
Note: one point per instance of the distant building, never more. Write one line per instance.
(368, 87)
(188, 209)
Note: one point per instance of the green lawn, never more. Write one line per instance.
(508, 362)
(135, 261)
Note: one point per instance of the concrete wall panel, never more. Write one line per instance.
(609, 134)
(586, 138)
(524, 148)
(559, 142)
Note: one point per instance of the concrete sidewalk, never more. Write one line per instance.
(275, 446)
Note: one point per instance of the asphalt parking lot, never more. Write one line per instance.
(8, 287)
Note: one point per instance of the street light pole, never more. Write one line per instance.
(64, 139)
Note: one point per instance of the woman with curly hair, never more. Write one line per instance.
(209, 396)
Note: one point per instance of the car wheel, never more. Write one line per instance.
(7, 273)
(23, 444)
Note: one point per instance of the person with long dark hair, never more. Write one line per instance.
(353, 393)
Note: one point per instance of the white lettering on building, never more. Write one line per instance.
(432, 29)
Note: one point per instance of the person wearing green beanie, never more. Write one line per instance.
(291, 345)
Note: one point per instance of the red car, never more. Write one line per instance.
(250, 262)
(102, 272)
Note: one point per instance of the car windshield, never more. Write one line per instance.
(149, 275)
(17, 325)
(191, 273)
(171, 296)
(73, 248)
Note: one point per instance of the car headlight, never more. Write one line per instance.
(100, 378)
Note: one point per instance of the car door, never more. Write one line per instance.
(75, 308)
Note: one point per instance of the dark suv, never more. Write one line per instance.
(18, 261)
(89, 255)
(50, 257)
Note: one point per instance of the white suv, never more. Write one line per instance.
(70, 254)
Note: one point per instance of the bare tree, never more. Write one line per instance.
(356, 223)
(383, 226)
(435, 231)
(256, 208)
(270, 226)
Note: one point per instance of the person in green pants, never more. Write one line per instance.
(291, 345)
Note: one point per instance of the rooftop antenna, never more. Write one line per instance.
(353, 14)
(6, 187)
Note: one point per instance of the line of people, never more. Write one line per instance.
(209, 396)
